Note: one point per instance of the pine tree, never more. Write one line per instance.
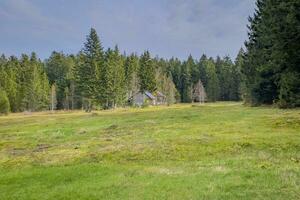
(186, 80)
(4, 103)
(119, 91)
(44, 92)
(113, 79)
(237, 86)
(202, 70)
(212, 88)
(272, 56)
(67, 99)
(107, 79)
(60, 70)
(8, 81)
(88, 70)
(147, 73)
(34, 84)
(174, 66)
(226, 79)
(131, 75)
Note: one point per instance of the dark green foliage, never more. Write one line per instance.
(186, 80)
(4, 103)
(33, 85)
(202, 70)
(25, 83)
(212, 88)
(131, 75)
(271, 66)
(175, 70)
(221, 78)
(88, 68)
(60, 70)
(8, 80)
(289, 94)
(225, 77)
(113, 80)
(36, 86)
(147, 73)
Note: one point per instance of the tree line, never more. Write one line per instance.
(95, 78)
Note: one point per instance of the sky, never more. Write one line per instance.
(164, 27)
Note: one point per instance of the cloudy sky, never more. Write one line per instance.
(165, 27)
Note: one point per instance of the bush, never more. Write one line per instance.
(145, 104)
(4, 103)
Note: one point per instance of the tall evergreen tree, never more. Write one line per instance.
(131, 75)
(113, 79)
(225, 79)
(212, 88)
(272, 57)
(147, 73)
(202, 70)
(60, 70)
(237, 77)
(4, 103)
(34, 86)
(8, 80)
(186, 80)
(88, 69)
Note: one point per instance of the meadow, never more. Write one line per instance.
(184, 151)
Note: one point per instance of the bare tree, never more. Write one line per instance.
(199, 94)
(53, 97)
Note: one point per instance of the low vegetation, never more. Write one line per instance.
(211, 151)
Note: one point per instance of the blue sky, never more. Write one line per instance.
(164, 27)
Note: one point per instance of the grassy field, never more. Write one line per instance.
(215, 151)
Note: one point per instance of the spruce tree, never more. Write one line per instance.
(212, 88)
(272, 57)
(237, 86)
(226, 79)
(186, 80)
(88, 70)
(202, 70)
(175, 70)
(4, 103)
(131, 75)
(60, 70)
(147, 73)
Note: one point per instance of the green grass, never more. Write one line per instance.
(215, 151)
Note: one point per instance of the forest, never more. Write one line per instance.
(266, 72)
(95, 78)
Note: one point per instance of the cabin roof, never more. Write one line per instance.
(148, 94)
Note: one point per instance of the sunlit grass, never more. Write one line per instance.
(211, 151)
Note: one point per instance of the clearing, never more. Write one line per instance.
(214, 151)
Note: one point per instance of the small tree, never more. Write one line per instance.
(199, 94)
(4, 103)
(53, 97)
